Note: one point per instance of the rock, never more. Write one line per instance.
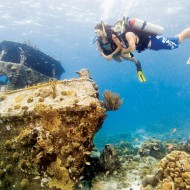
(51, 139)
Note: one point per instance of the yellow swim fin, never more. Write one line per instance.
(141, 76)
(188, 61)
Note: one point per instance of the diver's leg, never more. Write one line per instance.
(132, 59)
(183, 35)
(117, 58)
(140, 73)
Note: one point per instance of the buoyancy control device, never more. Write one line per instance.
(148, 27)
(138, 25)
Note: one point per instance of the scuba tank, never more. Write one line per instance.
(144, 26)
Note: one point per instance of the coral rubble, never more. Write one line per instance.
(46, 134)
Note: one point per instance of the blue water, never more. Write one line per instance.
(65, 29)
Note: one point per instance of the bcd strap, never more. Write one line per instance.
(143, 26)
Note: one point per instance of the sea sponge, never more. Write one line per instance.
(9, 168)
(14, 68)
(30, 99)
(2, 172)
(168, 185)
(8, 144)
(20, 98)
(60, 177)
(24, 184)
(44, 93)
(15, 156)
(17, 106)
(150, 180)
(50, 118)
(2, 97)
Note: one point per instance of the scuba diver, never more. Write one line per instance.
(140, 35)
(110, 46)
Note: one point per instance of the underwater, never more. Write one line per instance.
(56, 132)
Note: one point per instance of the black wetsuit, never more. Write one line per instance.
(142, 44)
(107, 48)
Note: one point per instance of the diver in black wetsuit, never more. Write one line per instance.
(140, 42)
(110, 46)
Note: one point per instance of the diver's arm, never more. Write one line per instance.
(130, 37)
(99, 47)
(118, 49)
(100, 50)
(118, 44)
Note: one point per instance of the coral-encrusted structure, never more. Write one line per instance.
(175, 171)
(19, 76)
(46, 134)
(30, 56)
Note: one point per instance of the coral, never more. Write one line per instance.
(30, 99)
(187, 146)
(24, 184)
(111, 101)
(150, 180)
(50, 118)
(17, 106)
(84, 73)
(109, 158)
(175, 170)
(60, 177)
(2, 97)
(8, 144)
(153, 148)
(168, 184)
(158, 149)
(16, 156)
(9, 168)
(50, 141)
(19, 98)
(126, 148)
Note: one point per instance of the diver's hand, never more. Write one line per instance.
(124, 51)
(108, 57)
(126, 55)
(102, 54)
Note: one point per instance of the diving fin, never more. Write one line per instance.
(141, 76)
(188, 61)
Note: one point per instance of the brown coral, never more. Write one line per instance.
(175, 169)
(111, 100)
(50, 141)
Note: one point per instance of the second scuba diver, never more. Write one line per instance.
(137, 39)
(110, 46)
